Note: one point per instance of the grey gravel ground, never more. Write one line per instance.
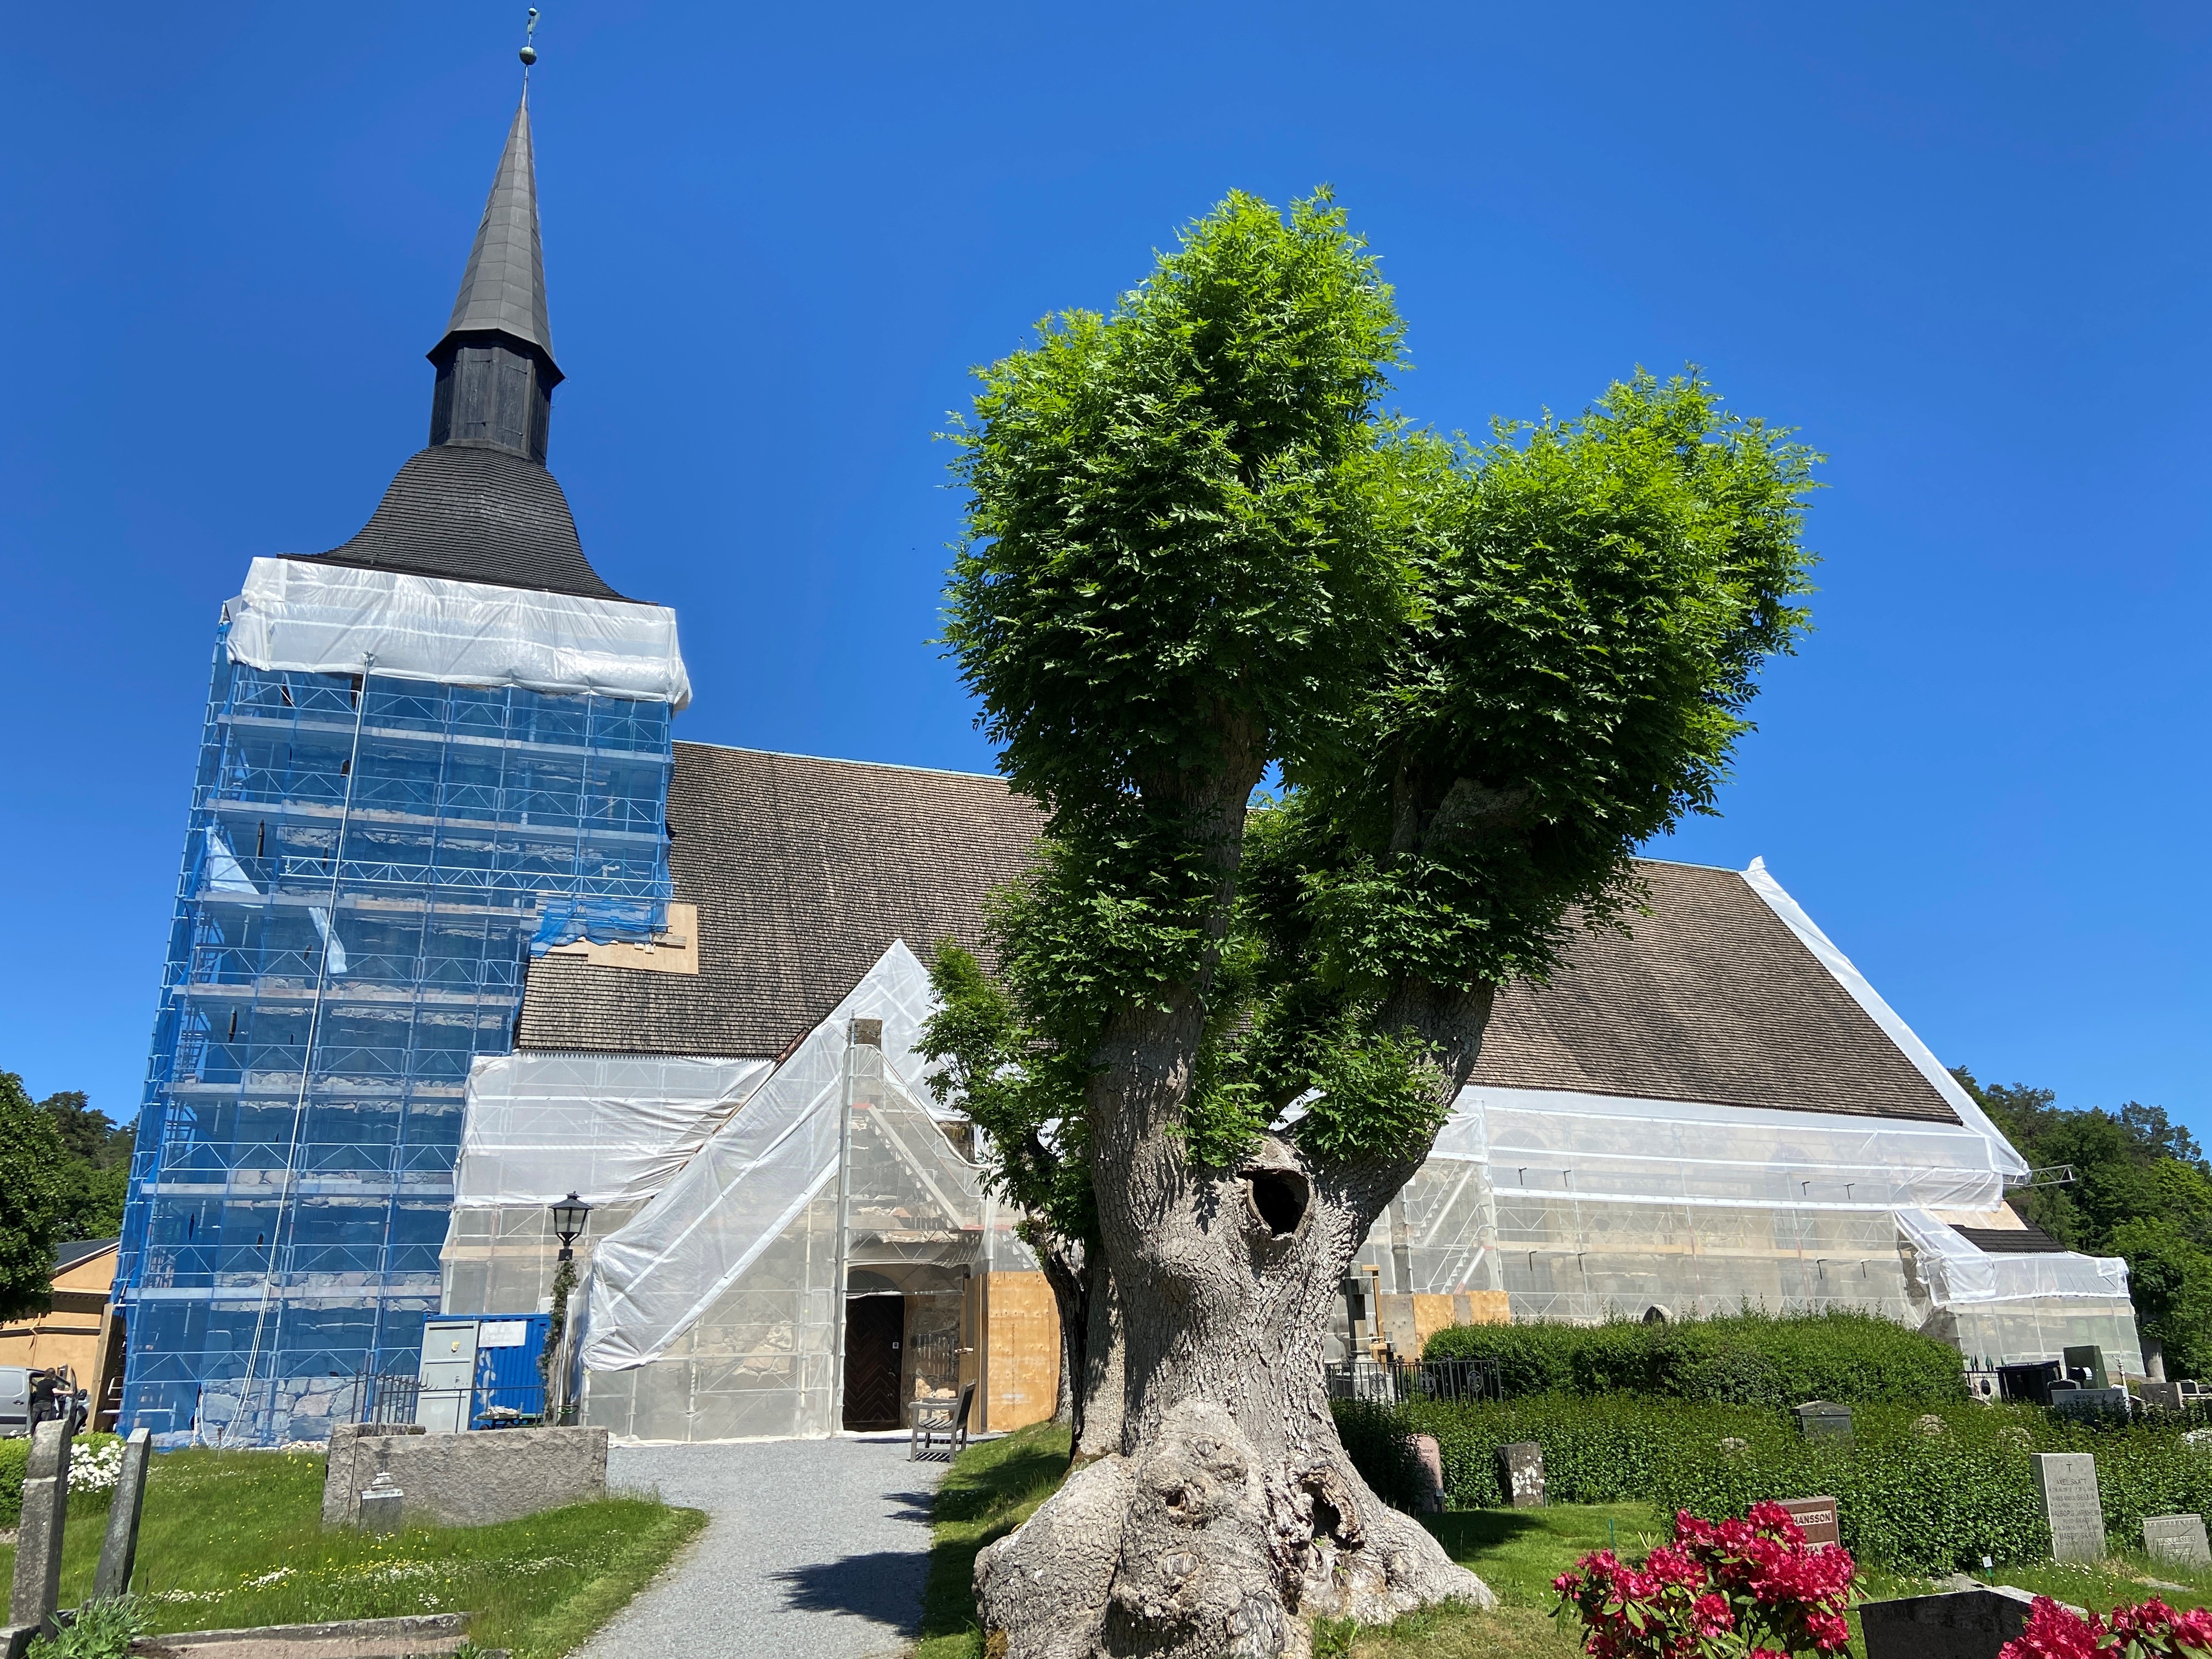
(817, 1550)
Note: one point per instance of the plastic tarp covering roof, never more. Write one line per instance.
(326, 619)
(610, 1127)
(653, 1279)
(1957, 1271)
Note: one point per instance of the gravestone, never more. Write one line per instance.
(380, 1504)
(2067, 1481)
(1823, 1420)
(118, 1550)
(2088, 1358)
(1431, 1459)
(1971, 1624)
(1816, 1518)
(1521, 1475)
(2177, 1539)
(37, 1591)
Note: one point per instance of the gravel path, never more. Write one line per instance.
(817, 1550)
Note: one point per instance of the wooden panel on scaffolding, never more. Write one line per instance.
(1020, 1350)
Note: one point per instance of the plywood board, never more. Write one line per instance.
(1021, 1363)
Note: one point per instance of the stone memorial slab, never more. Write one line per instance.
(2177, 1538)
(1823, 1420)
(380, 1504)
(1431, 1458)
(1815, 1517)
(2072, 1504)
(118, 1550)
(1971, 1623)
(1521, 1475)
(37, 1591)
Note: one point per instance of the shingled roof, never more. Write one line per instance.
(804, 872)
(474, 514)
(1710, 997)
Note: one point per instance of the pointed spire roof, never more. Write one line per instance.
(503, 290)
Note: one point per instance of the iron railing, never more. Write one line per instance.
(1392, 1382)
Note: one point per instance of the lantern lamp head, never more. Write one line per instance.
(569, 1217)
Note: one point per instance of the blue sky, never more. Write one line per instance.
(1964, 251)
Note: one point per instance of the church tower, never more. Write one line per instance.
(429, 754)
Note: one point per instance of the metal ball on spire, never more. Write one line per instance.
(529, 53)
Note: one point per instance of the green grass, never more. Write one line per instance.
(234, 1538)
(995, 1485)
(991, 1489)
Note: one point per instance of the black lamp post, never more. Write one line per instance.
(569, 1217)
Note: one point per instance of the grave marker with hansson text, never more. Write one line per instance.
(2067, 1481)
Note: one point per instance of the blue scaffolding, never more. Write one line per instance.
(370, 862)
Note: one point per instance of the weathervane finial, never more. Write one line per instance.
(529, 53)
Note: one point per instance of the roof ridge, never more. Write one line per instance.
(841, 760)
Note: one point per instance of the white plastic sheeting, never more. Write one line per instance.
(652, 1279)
(1959, 1271)
(1588, 1206)
(326, 619)
(610, 1127)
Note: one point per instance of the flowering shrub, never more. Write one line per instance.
(1752, 1588)
(95, 1464)
(2058, 1632)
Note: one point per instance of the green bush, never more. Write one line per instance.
(1907, 1498)
(15, 1460)
(1749, 1358)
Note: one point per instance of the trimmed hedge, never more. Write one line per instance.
(1749, 1358)
(1920, 1502)
(15, 1463)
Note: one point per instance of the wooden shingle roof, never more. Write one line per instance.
(1710, 997)
(805, 871)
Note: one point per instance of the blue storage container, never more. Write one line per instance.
(509, 1392)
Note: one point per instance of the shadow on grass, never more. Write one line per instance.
(992, 1488)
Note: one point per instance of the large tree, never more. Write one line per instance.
(35, 1201)
(1198, 552)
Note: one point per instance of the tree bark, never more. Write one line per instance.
(1229, 1516)
(1063, 1268)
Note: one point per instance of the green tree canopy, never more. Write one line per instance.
(2141, 1191)
(34, 1199)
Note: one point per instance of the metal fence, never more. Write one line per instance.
(385, 1398)
(1389, 1382)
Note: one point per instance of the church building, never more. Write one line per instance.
(461, 930)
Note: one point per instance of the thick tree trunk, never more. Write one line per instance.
(1100, 1435)
(1063, 1268)
(1230, 1516)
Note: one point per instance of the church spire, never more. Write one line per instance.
(495, 367)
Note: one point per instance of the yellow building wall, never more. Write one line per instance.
(74, 1333)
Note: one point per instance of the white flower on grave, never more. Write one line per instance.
(1735, 1446)
(96, 1464)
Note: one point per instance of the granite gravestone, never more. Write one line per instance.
(1521, 1475)
(1823, 1420)
(1430, 1457)
(1971, 1623)
(381, 1503)
(1816, 1518)
(118, 1550)
(37, 1591)
(2177, 1538)
(2067, 1481)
